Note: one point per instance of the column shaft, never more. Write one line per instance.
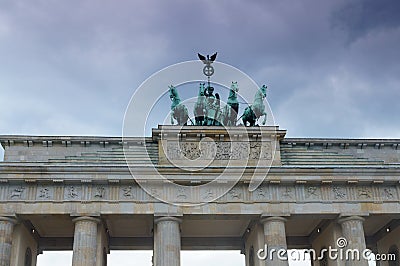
(353, 231)
(6, 231)
(167, 240)
(275, 239)
(85, 241)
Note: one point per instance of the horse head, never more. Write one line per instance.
(202, 89)
(263, 90)
(261, 94)
(173, 93)
(234, 86)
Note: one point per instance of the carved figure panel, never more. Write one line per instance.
(219, 150)
(312, 192)
(72, 192)
(339, 193)
(128, 192)
(17, 193)
(45, 193)
(99, 192)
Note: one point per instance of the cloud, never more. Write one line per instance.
(360, 18)
(71, 67)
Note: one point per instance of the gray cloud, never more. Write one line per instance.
(359, 18)
(70, 67)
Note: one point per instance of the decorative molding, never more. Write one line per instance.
(132, 192)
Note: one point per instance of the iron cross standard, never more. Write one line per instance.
(208, 69)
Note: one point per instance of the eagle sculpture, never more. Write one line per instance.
(207, 60)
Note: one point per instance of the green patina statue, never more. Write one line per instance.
(253, 112)
(208, 112)
(231, 109)
(199, 110)
(213, 110)
(179, 112)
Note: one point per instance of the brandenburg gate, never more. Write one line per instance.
(77, 193)
(203, 184)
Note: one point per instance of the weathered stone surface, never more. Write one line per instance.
(6, 230)
(85, 241)
(275, 239)
(167, 241)
(353, 231)
(45, 180)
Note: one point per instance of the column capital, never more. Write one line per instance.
(272, 219)
(86, 218)
(8, 219)
(344, 219)
(167, 218)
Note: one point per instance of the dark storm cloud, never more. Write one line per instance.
(360, 17)
(69, 67)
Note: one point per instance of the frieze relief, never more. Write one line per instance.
(239, 193)
(260, 194)
(364, 192)
(17, 192)
(235, 194)
(388, 193)
(99, 192)
(72, 192)
(219, 150)
(339, 193)
(312, 192)
(127, 192)
(45, 193)
(287, 193)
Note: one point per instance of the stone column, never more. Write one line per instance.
(85, 241)
(6, 231)
(167, 241)
(275, 240)
(353, 232)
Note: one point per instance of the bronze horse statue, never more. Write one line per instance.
(179, 112)
(253, 112)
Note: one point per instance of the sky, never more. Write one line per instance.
(70, 67)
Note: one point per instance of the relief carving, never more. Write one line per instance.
(312, 192)
(257, 153)
(223, 151)
(388, 193)
(181, 195)
(339, 192)
(190, 150)
(208, 195)
(365, 192)
(288, 193)
(16, 193)
(234, 193)
(260, 193)
(208, 150)
(240, 150)
(155, 192)
(99, 192)
(44, 193)
(72, 192)
(127, 192)
(173, 152)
